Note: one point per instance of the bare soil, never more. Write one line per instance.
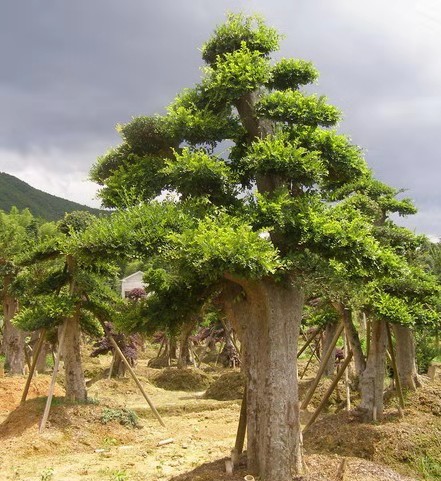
(78, 446)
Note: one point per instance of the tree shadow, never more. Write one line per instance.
(23, 417)
(214, 471)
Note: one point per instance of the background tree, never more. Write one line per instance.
(19, 232)
(67, 295)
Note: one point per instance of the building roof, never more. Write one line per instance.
(132, 275)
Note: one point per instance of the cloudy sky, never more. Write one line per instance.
(71, 70)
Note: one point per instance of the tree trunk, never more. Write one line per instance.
(173, 347)
(405, 357)
(269, 317)
(13, 338)
(372, 379)
(329, 334)
(75, 382)
(184, 358)
(354, 340)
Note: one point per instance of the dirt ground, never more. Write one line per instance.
(78, 446)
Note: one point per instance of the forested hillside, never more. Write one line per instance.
(15, 192)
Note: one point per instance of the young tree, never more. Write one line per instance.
(251, 220)
(67, 295)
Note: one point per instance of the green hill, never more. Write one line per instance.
(15, 192)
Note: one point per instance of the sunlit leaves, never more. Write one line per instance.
(196, 173)
(276, 154)
(295, 107)
(291, 73)
(239, 29)
(236, 74)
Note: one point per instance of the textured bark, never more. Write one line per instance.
(13, 338)
(354, 340)
(184, 358)
(75, 382)
(269, 316)
(372, 379)
(329, 334)
(405, 357)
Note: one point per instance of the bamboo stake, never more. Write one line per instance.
(394, 365)
(329, 391)
(34, 363)
(54, 378)
(135, 378)
(242, 427)
(322, 367)
(308, 342)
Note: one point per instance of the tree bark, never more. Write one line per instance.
(184, 358)
(372, 378)
(329, 334)
(13, 338)
(354, 340)
(269, 316)
(405, 357)
(75, 382)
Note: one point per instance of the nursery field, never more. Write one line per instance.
(115, 436)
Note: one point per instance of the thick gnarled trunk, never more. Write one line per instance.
(328, 336)
(13, 338)
(405, 357)
(184, 358)
(75, 382)
(269, 317)
(372, 379)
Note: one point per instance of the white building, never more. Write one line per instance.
(132, 282)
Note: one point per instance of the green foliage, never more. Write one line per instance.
(75, 221)
(147, 136)
(224, 244)
(196, 117)
(289, 73)
(239, 29)
(239, 72)
(295, 107)
(321, 315)
(289, 195)
(276, 154)
(45, 311)
(125, 417)
(195, 173)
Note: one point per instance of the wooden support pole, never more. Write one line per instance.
(329, 391)
(34, 363)
(308, 342)
(307, 365)
(242, 427)
(394, 366)
(322, 368)
(348, 387)
(132, 373)
(54, 378)
(112, 363)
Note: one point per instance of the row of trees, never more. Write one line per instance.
(267, 206)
